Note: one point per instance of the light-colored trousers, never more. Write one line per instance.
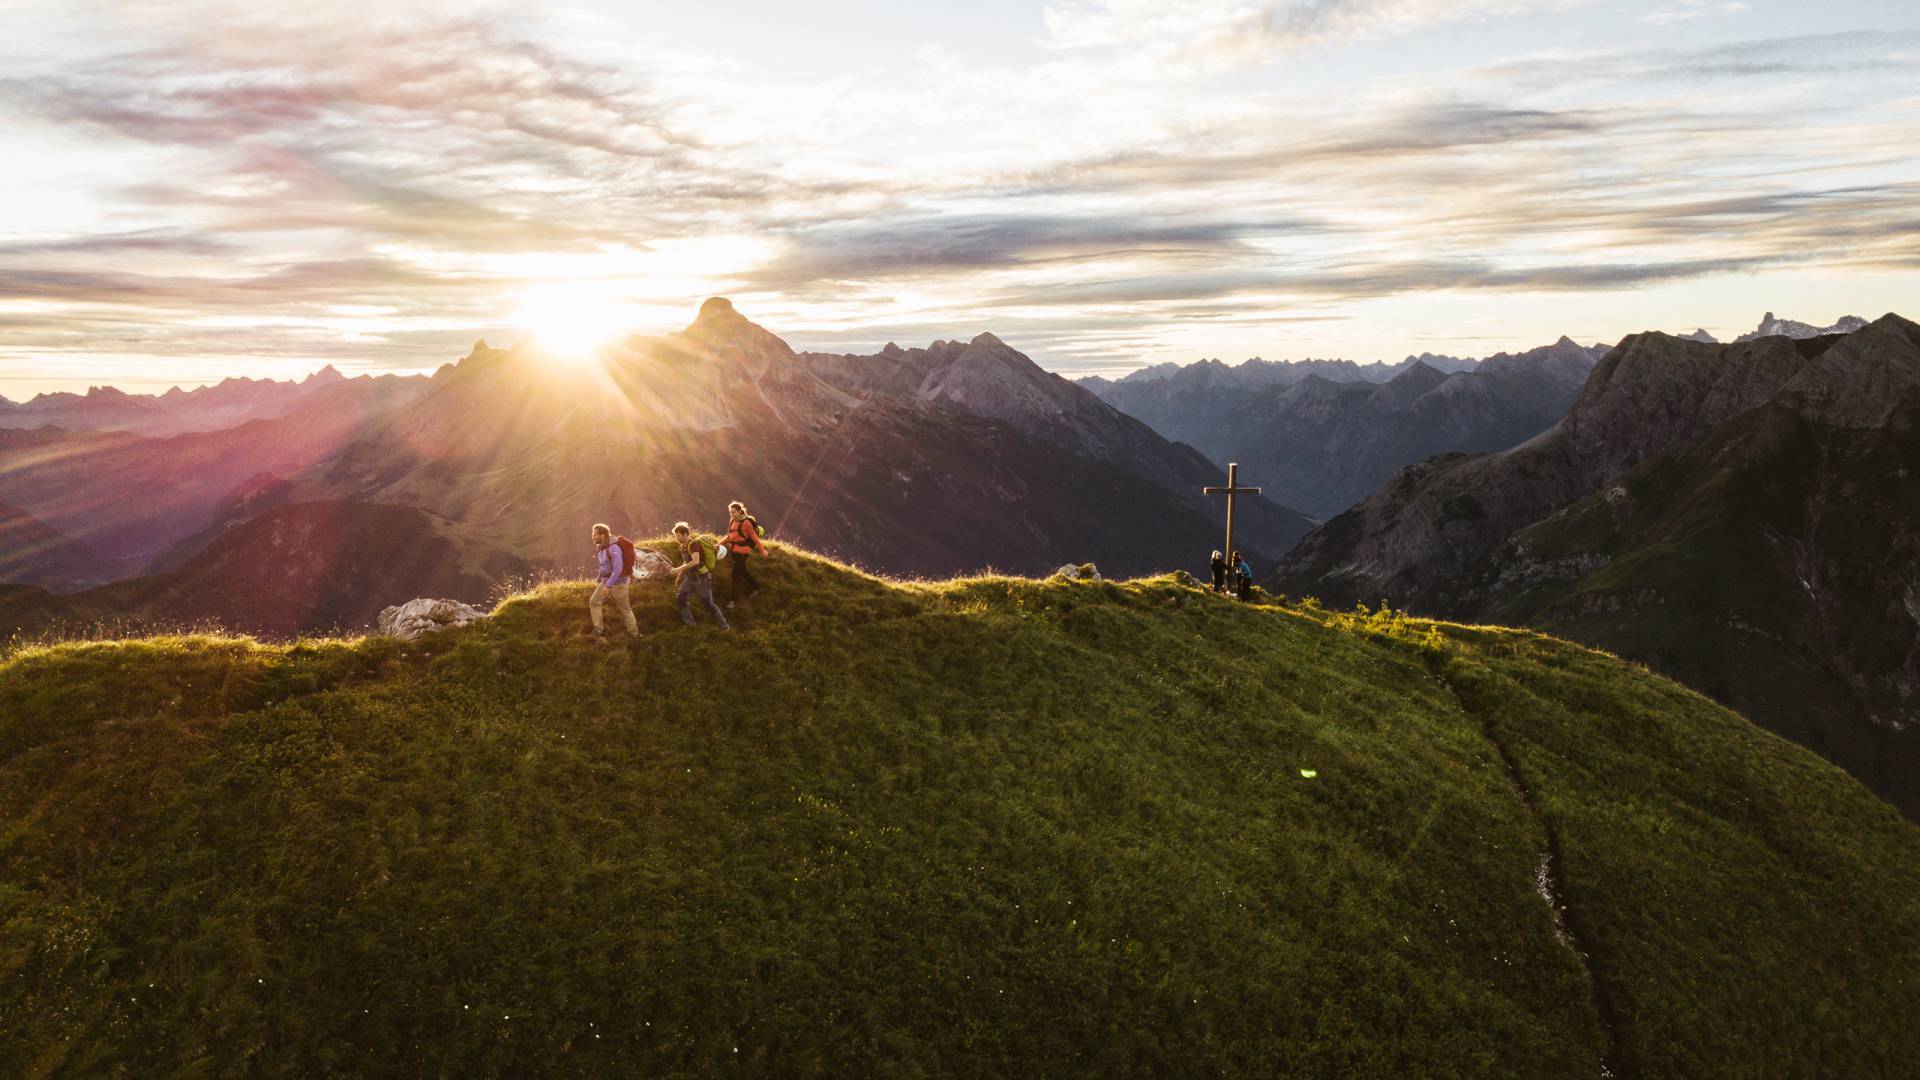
(620, 600)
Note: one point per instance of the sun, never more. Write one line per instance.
(572, 321)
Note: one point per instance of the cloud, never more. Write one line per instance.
(914, 245)
(460, 125)
(379, 186)
(178, 241)
(1688, 10)
(1231, 31)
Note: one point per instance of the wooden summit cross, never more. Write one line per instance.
(1233, 488)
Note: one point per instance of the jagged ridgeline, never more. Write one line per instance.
(983, 827)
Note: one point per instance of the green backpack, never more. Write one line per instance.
(710, 552)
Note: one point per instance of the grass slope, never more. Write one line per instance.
(1769, 567)
(988, 826)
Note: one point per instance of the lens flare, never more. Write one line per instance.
(573, 322)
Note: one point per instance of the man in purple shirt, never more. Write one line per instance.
(616, 574)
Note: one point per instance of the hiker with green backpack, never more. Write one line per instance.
(743, 543)
(698, 554)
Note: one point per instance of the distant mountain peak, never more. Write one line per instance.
(1770, 326)
(1151, 373)
(323, 377)
(722, 334)
(985, 338)
(893, 351)
(1418, 378)
(718, 309)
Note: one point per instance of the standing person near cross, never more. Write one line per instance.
(1233, 488)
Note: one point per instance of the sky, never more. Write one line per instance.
(190, 191)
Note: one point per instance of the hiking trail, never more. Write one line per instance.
(1549, 883)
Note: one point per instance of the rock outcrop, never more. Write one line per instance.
(650, 564)
(425, 616)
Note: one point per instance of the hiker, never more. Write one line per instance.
(743, 543)
(695, 572)
(1242, 576)
(615, 556)
(1219, 572)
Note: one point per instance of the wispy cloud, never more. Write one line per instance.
(1233, 31)
(1688, 10)
(378, 187)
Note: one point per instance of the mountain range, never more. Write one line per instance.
(1256, 373)
(299, 568)
(1744, 517)
(1322, 444)
(105, 505)
(949, 459)
(227, 404)
(1789, 328)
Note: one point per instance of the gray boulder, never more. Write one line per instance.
(650, 564)
(1082, 572)
(415, 617)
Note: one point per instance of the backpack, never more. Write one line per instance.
(759, 532)
(626, 552)
(708, 552)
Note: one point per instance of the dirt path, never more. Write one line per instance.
(1549, 883)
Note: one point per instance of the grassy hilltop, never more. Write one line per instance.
(979, 827)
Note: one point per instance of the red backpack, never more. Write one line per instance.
(626, 552)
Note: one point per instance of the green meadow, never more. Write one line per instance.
(980, 827)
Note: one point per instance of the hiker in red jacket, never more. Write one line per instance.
(743, 543)
(614, 554)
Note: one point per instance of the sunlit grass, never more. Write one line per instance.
(991, 825)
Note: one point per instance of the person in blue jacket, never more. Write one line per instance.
(1242, 576)
(614, 556)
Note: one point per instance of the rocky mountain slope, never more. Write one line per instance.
(988, 378)
(122, 501)
(988, 826)
(300, 569)
(1322, 444)
(1741, 516)
(32, 551)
